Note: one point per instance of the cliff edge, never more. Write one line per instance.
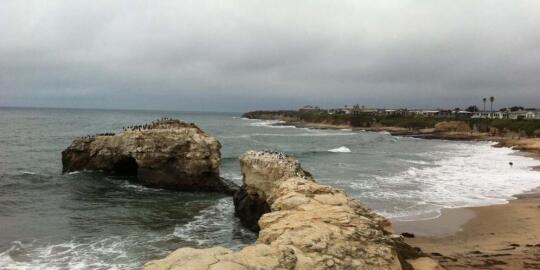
(168, 153)
(307, 226)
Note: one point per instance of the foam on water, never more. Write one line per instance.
(214, 225)
(270, 124)
(310, 134)
(342, 149)
(105, 253)
(462, 175)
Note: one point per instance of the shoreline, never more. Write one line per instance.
(502, 236)
(499, 236)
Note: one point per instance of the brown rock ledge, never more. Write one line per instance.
(310, 226)
(168, 154)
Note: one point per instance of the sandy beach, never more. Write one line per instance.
(505, 236)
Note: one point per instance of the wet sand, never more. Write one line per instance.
(495, 237)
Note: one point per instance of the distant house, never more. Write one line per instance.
(522, 114)
(445, 113)
(386, 112)
(429, 113)
(463, 113)
(309, 108)
(532, 114)
(490, 115)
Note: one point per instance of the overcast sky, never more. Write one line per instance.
(236, 55)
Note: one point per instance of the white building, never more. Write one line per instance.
(425, 112)
(521, 114)
(490, 115)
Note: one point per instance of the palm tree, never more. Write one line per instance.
(491, 99)
(484, 99)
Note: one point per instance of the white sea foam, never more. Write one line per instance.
(214, 225)
(310, 134)
(137, 187)
(342, 149)
(461, 175)
(270, 124)
(106, 253)
(232, 176)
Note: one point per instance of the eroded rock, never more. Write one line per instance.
(261, 173)
(452, 126)
(309, 226)
(168, 154)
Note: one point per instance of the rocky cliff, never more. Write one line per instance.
(308, 226)
(167, 153)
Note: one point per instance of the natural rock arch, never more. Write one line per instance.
(168, 154)
(126, 165)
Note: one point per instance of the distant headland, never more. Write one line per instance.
(471, 123)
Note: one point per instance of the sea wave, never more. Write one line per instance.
(105, 253)
(270, 124)
(462, 175)
(342, 149)
(214, 225)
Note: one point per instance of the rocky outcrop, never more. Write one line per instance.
(309, 226)
(261, 172)
(168, 154)
(452, 126)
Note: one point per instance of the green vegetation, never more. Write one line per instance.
(414, 122)
(520, 126)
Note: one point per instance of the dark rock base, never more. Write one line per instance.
(249, 207)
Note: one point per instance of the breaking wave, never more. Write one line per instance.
(341, 149)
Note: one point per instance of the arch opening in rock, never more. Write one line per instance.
(126, 165)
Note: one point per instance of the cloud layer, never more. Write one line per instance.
(241, 55)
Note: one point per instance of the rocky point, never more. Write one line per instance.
(302, 225)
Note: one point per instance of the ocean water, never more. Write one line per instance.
(91, 220)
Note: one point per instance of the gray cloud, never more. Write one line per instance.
(241, 55)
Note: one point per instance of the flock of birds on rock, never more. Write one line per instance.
(164, 122)
(280, 155)
(96, 135)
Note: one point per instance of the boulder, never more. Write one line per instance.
(168, 154)
(309, 226)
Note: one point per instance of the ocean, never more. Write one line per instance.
(91, 220)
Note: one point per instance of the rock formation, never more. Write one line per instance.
(261, 171)
(309, 226)
(168, 154)
(452, 126)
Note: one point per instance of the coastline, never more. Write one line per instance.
(501, 236)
